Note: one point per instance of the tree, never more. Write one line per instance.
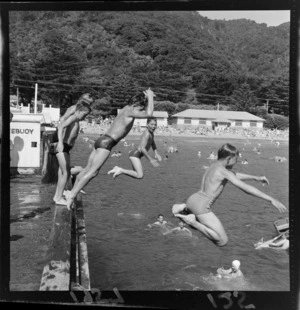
(244, 99)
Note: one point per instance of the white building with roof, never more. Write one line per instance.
(161, 116)
(215, 118)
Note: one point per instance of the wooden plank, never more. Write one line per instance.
(83, 264)
(67, 255)
(56, 273)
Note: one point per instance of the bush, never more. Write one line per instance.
(276, 121)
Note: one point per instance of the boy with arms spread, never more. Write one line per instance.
(137, 108)
(213, 182)
(67, 133)
(147, 141)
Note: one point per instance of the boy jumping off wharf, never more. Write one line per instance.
(198, 205)
(67, 133)
(147, 141)
(136, 108)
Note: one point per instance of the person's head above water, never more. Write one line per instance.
(160, 218)
(229, 153)
(236, 265)
(181, 224)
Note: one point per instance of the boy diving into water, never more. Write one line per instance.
(147, 141)
(198, 205)
(136, 108)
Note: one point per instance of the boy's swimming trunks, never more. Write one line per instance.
(136, 153)
(105, 142)
(199, 203)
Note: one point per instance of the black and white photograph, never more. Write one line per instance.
(150, 152)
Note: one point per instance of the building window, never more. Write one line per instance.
(202, 121)
(187, 121)
(238, 123)
(253, 124)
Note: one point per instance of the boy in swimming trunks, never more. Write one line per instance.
(214, 180)
(147, 141)
(67, 133)
(139, 106)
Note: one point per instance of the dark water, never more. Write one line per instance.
(125, 254)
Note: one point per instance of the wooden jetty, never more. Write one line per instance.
(67, 265)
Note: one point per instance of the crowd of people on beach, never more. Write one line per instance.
(262, 133)
(196, 212)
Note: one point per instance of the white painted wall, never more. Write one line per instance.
(25, 129)
(196, 122)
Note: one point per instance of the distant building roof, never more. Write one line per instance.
(160, 114)
(214, 114)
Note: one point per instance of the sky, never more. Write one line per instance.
(271, 18)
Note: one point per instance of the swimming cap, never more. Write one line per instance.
(236, 264)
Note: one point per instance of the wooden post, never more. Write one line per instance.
(35, 98)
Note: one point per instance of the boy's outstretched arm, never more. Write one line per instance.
(243, 176)
(252, 190)
(149, 108)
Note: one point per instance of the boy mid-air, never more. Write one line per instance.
(147, 141)
(198, 206)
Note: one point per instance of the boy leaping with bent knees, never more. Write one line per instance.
(147, 141)
(213, 182)
(138, 107)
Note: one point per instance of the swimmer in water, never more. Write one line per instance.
(212, 155)
(138, 106)
(279, 159)
(147, 141)
(282, 243)
(232, 272)
(160, 222)
(197, 212)
(114, 154)
(245, 162)
(180, 229)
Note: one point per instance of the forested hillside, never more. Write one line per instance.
(188, 60)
